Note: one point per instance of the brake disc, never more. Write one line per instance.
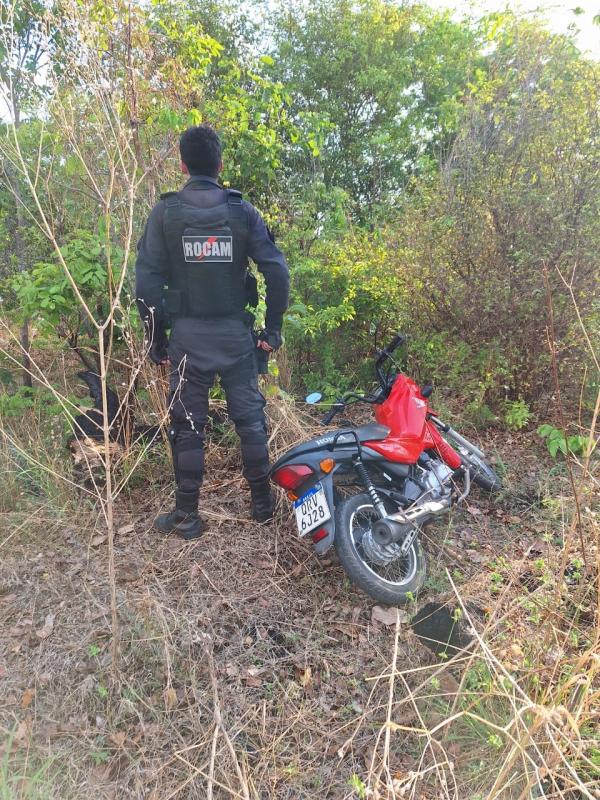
(381, 555)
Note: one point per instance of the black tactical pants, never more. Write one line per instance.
(197, 354)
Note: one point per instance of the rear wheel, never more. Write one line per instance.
(382, 573)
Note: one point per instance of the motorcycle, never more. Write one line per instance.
(409, 466)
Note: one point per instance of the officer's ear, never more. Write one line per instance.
(220, 169)
(184, 168)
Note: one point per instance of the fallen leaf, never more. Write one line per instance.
(99, 539)
(19, 630)
(27, 698)
(516, 651)
(305, 676)
(22, 731)
(538, 546)
(129, 572)
(345, 627)
(118, 738)
(387, 616)
(448, 683)
(251, 676)
(475, 512)
(477, 557)
(170, 698)
(129, 528)
(44, 633)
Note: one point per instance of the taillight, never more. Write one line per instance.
(291, 476)
(319, 534)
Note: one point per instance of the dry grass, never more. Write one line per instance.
(249, 668)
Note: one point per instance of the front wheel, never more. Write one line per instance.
(382, 573)
(481, 472)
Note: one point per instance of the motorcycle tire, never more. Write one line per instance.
(482, 473)
(358, 570)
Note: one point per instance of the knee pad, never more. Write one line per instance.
(252, 431)
(187, 447)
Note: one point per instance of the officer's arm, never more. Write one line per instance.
(271, 263)
(151, 270)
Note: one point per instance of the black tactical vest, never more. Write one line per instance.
(208, 259)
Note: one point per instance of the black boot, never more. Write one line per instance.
(262, 504)
(184, 520)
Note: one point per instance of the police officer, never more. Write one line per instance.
(192, 269)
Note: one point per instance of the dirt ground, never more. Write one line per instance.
(248, 667)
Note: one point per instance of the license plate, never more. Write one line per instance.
(311, 510)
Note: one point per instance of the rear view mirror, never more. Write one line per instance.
(313, 399)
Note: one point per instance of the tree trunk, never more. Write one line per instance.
(21, 265)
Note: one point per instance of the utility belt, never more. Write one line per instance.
(177, 307)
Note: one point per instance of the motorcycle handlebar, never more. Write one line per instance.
(396, 342)
(328, 417)
(386, 353)
(331, 414)
(398, 339)
(341, 404)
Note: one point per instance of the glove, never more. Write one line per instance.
(158, 349)
(272, 337)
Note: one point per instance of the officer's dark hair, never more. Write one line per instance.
(200, 149)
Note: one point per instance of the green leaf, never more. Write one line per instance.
(553, 447)
(545, 430)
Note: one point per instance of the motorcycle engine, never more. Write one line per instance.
(436, 480)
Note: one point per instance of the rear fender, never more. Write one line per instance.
(324, 544)
(343, 457)
(312, 459)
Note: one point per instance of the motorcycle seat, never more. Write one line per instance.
(366, 433)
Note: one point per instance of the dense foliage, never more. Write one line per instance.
(421, 171)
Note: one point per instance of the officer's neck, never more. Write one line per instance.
(198, 177)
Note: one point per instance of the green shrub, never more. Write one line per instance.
(517, 414)
(557, 442)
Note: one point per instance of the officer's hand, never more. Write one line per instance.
(269, 340)
(264, 346)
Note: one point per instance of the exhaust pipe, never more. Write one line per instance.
(396, 527)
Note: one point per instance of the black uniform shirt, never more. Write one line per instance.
(153, 259)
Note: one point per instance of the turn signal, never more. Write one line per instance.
(327, 464)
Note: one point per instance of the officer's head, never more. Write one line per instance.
(200, 150)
